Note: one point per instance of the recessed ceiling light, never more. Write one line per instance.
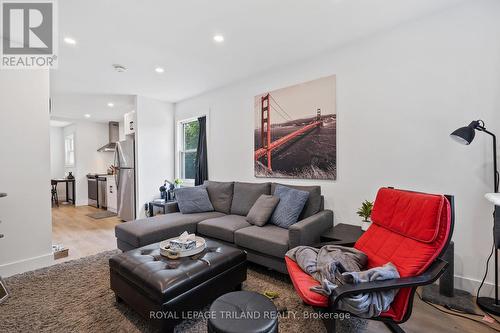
(86, 115)
(119, 68)
(218, 38)
(69, 40)
(159, 70)
(110, 104)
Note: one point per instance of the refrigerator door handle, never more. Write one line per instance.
(117, 155)
(117, 165)
(117, 178)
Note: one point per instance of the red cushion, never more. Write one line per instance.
(303, 282)
(413, 215)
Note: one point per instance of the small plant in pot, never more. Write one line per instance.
(365, 211)
(178, 182)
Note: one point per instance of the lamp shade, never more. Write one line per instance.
(494, 198)
(464, 135)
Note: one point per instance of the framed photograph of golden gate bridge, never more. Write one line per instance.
(295, 131)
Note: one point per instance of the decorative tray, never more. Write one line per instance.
(167, 252)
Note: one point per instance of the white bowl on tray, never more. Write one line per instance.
(165, 251)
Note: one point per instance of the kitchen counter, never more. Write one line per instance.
(96, 187)
(103, 193)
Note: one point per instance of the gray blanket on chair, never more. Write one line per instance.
(334, 265)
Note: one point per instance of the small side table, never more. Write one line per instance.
(341, 234)
(166, 206)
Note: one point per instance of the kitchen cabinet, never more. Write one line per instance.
(129, 121)
(111, 193)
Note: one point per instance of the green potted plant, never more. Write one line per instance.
(178, 182)
(365, 211)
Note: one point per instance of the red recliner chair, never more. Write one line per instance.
(410, 229)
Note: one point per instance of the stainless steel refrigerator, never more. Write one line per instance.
(125, 179)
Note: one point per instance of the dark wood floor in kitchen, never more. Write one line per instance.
(83, 235)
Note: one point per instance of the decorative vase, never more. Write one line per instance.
(70, 175)
(365, 225)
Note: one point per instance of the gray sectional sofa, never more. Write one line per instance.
(265, 245)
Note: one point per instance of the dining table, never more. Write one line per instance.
(67, 182)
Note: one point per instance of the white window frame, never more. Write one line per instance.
(69, 138)
(180, 148)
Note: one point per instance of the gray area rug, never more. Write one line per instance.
(101, 215)
(75, 297)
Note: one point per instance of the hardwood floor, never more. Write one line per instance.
(86, 236)
(426, 318)
(83, 235)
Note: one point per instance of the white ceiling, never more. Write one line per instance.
(76, 106)
(177, 35)
(59, 123)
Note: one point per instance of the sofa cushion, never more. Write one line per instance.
(291, 203)
(221, 195)
(268, 239)
(158, 228)
(222, 228)
(313, 204)
(245, 195)
(262, 210)
(413, 215)
(193, 200)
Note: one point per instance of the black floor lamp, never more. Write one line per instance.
(465, 135)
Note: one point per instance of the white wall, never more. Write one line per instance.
(89, 136)
(24, 171)
(154, 148)
(56, 152)
(399, 95)
(57, 158)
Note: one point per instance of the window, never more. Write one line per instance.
(69, 150)
(187, 149)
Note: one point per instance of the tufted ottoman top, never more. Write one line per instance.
(163, 279)
(243, 312)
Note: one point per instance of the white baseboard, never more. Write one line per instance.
(26, 265)
(471, 285)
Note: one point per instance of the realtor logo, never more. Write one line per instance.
(28, 33)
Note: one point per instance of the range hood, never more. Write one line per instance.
(114, 136)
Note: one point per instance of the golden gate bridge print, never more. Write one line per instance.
(268, 103)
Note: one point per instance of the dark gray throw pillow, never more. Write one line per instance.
(245, 195)
(291, 204)
(193, 200)
(262, 210)
(220, 194)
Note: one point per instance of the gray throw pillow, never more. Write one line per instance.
(262, 210)
(193, 200)
(245, 195)
(220, 194)
(291, 204)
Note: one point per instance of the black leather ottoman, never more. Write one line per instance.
(165, 291)
(243, 312)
